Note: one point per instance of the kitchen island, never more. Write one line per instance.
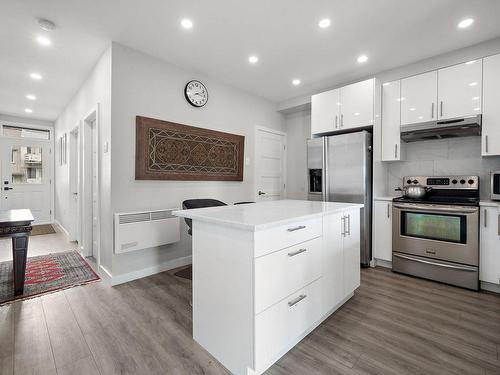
(266, 274)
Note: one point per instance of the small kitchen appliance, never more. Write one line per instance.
(495, 186)
(437, 237)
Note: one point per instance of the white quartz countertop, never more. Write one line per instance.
(263, 215)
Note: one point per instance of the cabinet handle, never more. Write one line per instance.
(485, 218)
(348, 225)
(396, 151)
(432, 110)
(499, 225)
(296, 300)
(441, 110)
(296, 228)
(342, 120)
(300, 251)
(486, 143)
(388, 210)
(336, 121)
(343, 226)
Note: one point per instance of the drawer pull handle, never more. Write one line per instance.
(296, 300)
(296, 228)
(300, 251)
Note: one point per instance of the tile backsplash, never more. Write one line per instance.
(457, 156)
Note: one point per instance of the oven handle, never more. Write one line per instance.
(461, 210)
(461, 268)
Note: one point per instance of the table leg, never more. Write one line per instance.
(19, 253)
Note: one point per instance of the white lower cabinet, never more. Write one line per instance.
(382, 230)
(489, 254)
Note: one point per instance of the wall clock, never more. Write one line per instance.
(196, 93)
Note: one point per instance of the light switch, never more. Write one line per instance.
(106, 147)
(247, 161)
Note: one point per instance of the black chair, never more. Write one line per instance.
(237, 203)
(199, 203)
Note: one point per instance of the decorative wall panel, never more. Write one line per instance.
(169, 151)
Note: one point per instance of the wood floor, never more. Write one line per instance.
(393, 325)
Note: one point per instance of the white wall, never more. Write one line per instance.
(298, 129)
(146, 86)
(95, 90)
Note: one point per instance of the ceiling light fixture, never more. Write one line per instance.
(473, 84)
(187, 23)
(470, 62)
(31, 97)
(386, 84)
(28, 110)
(362, 59)
(43, 40)
(253, 59)
(324, 23)
(465, 23)
(46, 25)
(296, 82)
(36, 76)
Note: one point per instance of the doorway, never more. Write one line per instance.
(74, 185)
(26, 170)
(270, 164)
(88, 186)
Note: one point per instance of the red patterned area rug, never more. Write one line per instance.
(46, 274)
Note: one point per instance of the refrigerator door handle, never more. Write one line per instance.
(325, 172)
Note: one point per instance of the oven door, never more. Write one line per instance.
(449, 233)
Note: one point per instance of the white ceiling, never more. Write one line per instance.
(283, 33)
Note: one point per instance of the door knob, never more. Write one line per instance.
(261, 193)
(8, 188)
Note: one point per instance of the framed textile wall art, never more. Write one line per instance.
(169, 151)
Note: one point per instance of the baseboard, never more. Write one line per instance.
(139, 274)
(383, 263)
(105, 275)
(490, 287)
(59, 225)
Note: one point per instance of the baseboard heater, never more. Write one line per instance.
(144, 229)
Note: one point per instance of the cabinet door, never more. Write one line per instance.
(333, 261)
(325, 112)
(356, 108)
(491, 108)
(351, 252)
(382, 230)
(419, 98)
(391, 118)
(489, 256)
(459, 90)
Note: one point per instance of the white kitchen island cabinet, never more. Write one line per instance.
(266, 274)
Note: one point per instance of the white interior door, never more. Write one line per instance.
(74, 181)
(270, 163)
(26, 170)
(95, 207)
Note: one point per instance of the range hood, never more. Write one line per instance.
(452, 128)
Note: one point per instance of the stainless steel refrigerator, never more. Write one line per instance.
(340, 170)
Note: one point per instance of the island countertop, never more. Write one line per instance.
(263, 215)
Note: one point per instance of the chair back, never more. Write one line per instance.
(199, 203)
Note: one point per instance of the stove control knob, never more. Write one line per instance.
(415, 182)
(471, 182)
(454, 182)
(408, 181)
(462, 182)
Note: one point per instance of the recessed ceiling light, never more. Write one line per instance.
(362, 59)
(386, 84)
(296, 82)
(43, 40)
(477, 109)
(400, 99)
(28, 110)
(473, 84)
(46, 25)
(187, 23)
(465, 23)
(253, 59)
(36, 76)
(412, 109)
(324, 23)
(31, 97)
(470, 62)
(475, 98)
(356, 113)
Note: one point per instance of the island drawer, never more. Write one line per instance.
(279, 328)
(276, 238)
(283, 272)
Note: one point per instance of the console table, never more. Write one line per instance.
(17, 224)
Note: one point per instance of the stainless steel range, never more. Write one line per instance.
(437, 237)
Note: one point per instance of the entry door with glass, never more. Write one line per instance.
(26, 176)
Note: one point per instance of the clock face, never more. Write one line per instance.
(196, 93)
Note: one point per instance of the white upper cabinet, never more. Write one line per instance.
(419, 98)
(356, 104)
(325, 114)
(391, 115)
(491, 107)
(460, 90)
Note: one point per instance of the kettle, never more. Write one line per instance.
(414, 191)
